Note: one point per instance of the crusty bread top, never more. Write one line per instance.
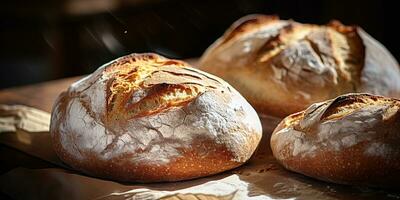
(139, 85)
(343, 106)
(282, 66)
(352, 139)
(334, 51)
(341, 123)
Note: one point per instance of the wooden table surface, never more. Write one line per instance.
(40, 95)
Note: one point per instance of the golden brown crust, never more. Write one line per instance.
(346, 104)
(132, 73)
(146, 118)
(282, 66)
(248, 23)
(352, 139)
(189, 166)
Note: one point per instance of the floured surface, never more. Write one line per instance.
(335, 127)
(282, 66)
(261, 53)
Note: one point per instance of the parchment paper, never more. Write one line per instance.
(260, 178)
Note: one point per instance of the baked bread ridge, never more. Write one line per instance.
(282, 66)
(146, 118)
(352, 139)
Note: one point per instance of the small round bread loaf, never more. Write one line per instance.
(281, 66)
(146, 118)
(353, 139)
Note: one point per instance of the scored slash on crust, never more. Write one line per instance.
(129, 75)
(310, 62)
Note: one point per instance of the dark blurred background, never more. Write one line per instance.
(50, 39)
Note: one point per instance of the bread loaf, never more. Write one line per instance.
(147, 118)
(282, 66)
(352, 139)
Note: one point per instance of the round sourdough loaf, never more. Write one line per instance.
(281, 66)
(353, 139)
(146, 118)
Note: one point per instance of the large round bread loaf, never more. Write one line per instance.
(353, 139)
(146, 118)
(282, 66)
